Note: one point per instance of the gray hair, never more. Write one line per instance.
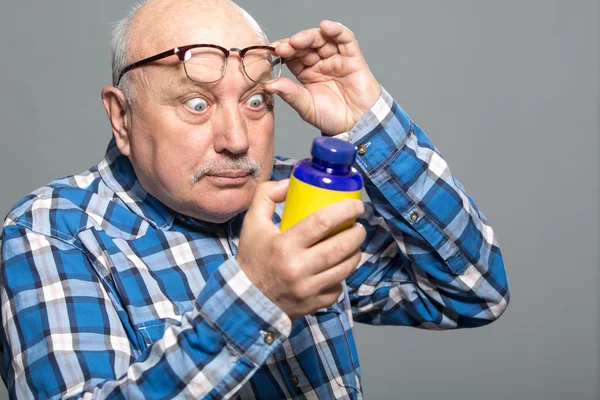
(121, 38)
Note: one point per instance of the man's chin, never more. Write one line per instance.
(219, 218)
(212, 214)
(220, 199)
(223, 206)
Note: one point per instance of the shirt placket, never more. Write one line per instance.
(294, 377)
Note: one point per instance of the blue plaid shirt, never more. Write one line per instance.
(106, 293)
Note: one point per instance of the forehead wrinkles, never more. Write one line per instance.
(162, 25)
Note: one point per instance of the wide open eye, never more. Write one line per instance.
(256, 100)
(197, 104)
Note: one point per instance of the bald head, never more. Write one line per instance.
(162, 24)
(159, 25)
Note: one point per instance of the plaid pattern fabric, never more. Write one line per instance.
(106, 293)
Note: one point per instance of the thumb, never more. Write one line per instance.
(267, 195)
(297, 96)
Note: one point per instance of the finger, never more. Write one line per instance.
(342, 36)
(327, 31)
(336, 274)
(295, 66)
(310, 58)
(321, 223)
(295, 95)
(328, 50)
(288, 51)
(285, 50)
(277, 42)
(332, 34)
(310, 38)
(266, 196)
(324, 298)
(336, 31)
(336, 248)
(328, 296)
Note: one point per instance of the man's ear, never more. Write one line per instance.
(118, 112)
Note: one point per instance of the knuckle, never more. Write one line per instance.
(278, 252)
(322, 222)
(298, 292)
(336, 249)
(360, 207)
(339, 273)
(352, 208)
(357, 207)
(289, 274)
(279, 245)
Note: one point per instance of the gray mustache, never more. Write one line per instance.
(245, 163)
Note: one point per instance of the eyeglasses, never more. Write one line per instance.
(207, 63)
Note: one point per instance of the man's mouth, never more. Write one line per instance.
(231, 174)
(229, 178)
(228, 170)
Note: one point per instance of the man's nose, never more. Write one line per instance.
(231, 133)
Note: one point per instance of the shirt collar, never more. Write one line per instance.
(118, 174)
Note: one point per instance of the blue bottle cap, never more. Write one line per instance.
(334, 151)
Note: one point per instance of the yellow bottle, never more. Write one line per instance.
(326, 178)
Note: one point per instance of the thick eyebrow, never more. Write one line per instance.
(252, 86)
(183, 84)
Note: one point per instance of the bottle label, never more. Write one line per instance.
(303, 199)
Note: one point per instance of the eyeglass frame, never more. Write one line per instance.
(181, 51)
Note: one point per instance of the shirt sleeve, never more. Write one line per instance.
(63, 337)
(431, 259)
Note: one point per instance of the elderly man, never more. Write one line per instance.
(161, 272)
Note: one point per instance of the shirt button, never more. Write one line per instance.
(414, 216)
(362, 150)
(294, 380)
(269, 338)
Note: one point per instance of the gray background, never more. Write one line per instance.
(508, 90)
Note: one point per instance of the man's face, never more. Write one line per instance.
(196, 147)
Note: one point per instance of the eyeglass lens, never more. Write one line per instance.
(206, 65)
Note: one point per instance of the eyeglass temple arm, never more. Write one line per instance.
(145, 61)
(281, 60)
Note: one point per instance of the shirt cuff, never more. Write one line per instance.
(249, 321)
(387, 116)
(399, 160)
